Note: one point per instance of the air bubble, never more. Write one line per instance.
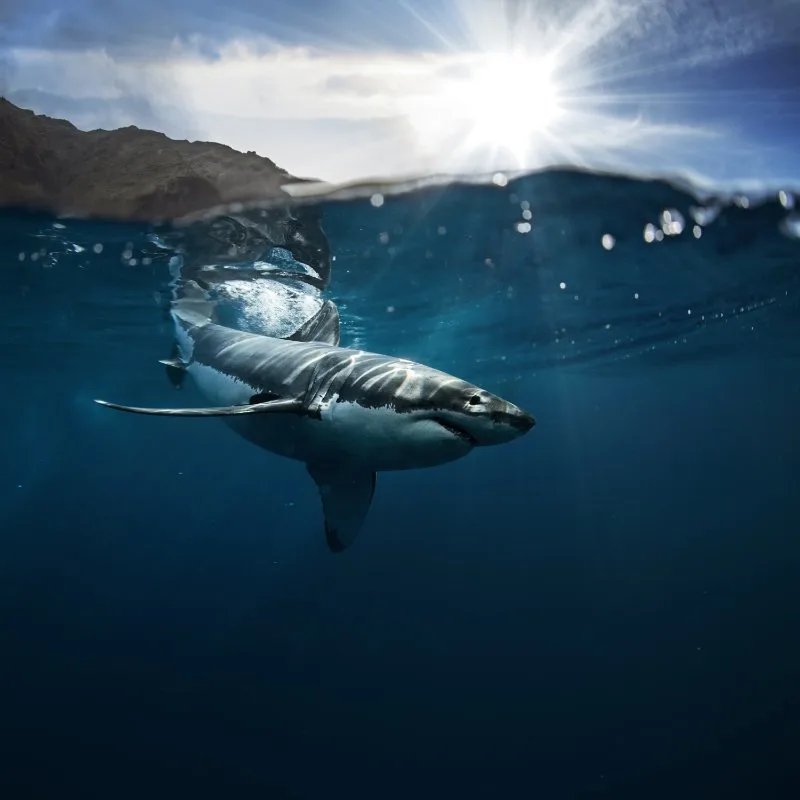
(499, 179)
(704, 216)
(608, 241)
(523, 227)
(672, 222)
(376, 200)
(791, 226)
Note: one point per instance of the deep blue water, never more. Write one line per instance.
(608, 607)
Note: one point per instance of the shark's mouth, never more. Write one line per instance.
(459, 433)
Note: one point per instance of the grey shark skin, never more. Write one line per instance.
(345, 413)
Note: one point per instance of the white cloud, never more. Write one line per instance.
(347, 115)
(333, 116)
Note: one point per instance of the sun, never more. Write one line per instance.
(500, 103)
(509, 98)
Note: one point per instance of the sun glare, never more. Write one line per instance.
(508, 99)
(499, 103)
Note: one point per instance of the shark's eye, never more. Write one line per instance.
(475, 400)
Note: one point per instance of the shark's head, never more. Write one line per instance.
(478, 417)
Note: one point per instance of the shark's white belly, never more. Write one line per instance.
(379, 438)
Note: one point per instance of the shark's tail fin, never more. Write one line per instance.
(175, 368)
(189, 299)
(191, 307)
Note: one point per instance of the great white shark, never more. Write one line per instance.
(346, 413)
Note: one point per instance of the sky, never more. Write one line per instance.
(344, 90)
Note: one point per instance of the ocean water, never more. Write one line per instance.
(607, 607)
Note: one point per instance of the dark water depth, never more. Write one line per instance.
(608, 607)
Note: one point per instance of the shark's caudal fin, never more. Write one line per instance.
(346, 494)
(193, 306)
(191, 299)
(175, 368)
(292, 406)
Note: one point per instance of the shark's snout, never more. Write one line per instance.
(512, 422)
(521, 421)
(500, 422)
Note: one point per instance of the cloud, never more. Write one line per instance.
(338, 110)
(146, 26)
(332, 115)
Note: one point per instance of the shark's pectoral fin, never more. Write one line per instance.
(291, 406)
(346, 494)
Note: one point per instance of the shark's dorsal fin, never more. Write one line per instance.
(346, 492)
(290, 406)
(322, 327)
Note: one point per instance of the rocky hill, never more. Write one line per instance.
(132, 174)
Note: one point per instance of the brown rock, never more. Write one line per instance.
(128, 173)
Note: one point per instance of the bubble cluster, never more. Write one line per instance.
(672, 222)
(652, 233)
